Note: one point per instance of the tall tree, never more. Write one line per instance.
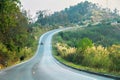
(13, 29)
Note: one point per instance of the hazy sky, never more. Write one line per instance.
(57, 5)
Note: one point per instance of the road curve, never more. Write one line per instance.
(44, 67)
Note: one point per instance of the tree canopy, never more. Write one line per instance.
(14, 31)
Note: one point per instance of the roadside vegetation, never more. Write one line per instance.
(18, 36)
(95, 48)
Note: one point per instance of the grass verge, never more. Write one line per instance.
(83, 68)
(86, 69)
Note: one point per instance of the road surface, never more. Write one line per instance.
(44, 67)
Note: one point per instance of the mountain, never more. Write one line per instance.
(78, 14)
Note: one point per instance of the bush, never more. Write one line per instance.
(114, 51)
(64, 50)
(84, 43)
(95, 47)
(97, 57)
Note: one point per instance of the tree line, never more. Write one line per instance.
(15, 33)
(77, 14)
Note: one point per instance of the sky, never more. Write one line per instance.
(56, 5)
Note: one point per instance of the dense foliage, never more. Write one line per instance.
(96, 47)
(101, 34)
(16, 35)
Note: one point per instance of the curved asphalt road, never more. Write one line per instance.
(44, 67)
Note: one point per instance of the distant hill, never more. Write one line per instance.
(78, 14)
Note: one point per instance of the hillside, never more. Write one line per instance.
(95, 48)
(78, 14)
(101, 34)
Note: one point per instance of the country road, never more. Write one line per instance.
(44, 67)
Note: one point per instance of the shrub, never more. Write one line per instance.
(64, 50)
(84, 43)
(114, 51)
(97, 56)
